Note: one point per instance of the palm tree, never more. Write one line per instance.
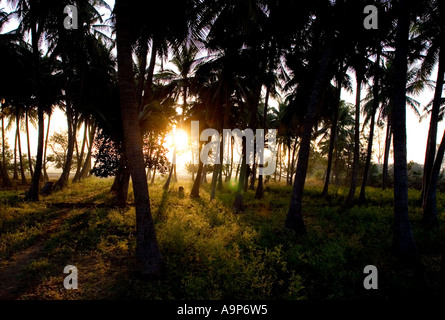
(360, 66)
(432, 28)
(147, 250)
(374, 107)
(403, 239)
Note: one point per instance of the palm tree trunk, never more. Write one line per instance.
(63, 180)
(288, 164)
(45, 174)
(15, 175)
(403, 239)
(259, 194)
(33, 192)
(31, 171)
(204, 175)
(142, 65)
(294, 219)
(147, 248)
(195, 189)
(6, 183)
(86, 169)
(375, 105)
(19, 143)
(292, 167)
(430, 218)
(167, 183)
(238, 204)
(388, 140)
(332, 142)
(355, 162)
(82, 151)
(3, 142)
(430, 153)
(151, 67)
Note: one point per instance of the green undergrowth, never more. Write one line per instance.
(211, 253)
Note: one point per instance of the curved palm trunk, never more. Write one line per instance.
(86, 169)
(430, 218)
(403, 239)
(147, 249)
(31, 171)
(294, 219)
(45, 174)
(430, 153)
(355, 162)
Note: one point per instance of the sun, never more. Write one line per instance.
(180, 139)
(177, 138)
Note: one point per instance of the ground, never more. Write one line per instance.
(209, 252)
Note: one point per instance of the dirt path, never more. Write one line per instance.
(11, 287)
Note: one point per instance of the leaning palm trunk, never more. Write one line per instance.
(294, 219)
(196, 184)
(430, 218)
(170, 174)
(86, 169)
(403, 241)
(147, 249)
(82, 152)
(430, 153)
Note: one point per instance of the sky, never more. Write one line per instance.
(416, 131)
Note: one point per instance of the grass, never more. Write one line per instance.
(210, 253)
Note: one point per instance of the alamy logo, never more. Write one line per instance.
(371, 21)
(210, 152)
(70, 281)
(71, 20)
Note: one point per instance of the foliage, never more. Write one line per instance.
(107, 155)
(58, 144)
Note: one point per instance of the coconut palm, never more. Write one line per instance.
(403, 241)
